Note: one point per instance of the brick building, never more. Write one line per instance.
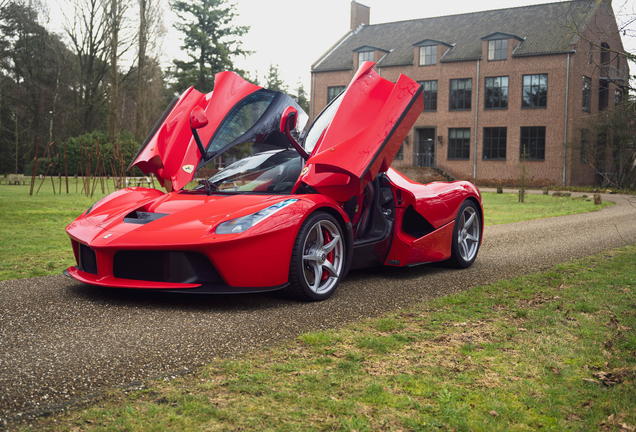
(502, 88)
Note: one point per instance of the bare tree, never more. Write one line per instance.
(87, 30)
(120, 41)
(150, 32)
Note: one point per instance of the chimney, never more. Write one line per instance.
(359, 15)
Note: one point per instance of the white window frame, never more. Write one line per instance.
(364, 56)
(498, 49)
(428, 55)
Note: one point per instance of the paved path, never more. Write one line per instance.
(60, 339)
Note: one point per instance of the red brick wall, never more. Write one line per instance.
(584, 64)
(553, 117)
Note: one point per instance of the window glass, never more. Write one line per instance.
(400, 153)
(535, 91)
(496, 93)
(459, 143)
(498, 49)
(585, 144)
(532, 143)
(272, 172)
(364, 56)
(241, 118)
(587, 93)
(428, 55)
(460, 94)
(618, 97)
(495, 143)
(318, 127)
(333, 92)
(429, 94)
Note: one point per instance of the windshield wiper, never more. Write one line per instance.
(209, 186)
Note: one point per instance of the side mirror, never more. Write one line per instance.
(287, 123)
(289, 115)
(198, 118)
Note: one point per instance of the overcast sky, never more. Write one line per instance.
(294, 33)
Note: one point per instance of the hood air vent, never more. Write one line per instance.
(142, 218)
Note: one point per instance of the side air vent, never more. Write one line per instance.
(88, 260)
(164, 266)
(415, 224)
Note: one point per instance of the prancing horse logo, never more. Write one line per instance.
(188, 168)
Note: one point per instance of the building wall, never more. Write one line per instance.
(547, 172)
(586, 64)
(513, 118)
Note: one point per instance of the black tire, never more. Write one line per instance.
(311, 256)
(466, 236)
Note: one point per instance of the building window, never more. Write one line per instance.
(496, 93)
(605, 53)
(428, 55)
(535, 91)
(459, 143)
(332, 92)
(603, 95)
(498, 49)
(532, 143)
(400, 153)
(364, 56)
(460, 92)
(618, 97)
(587, 93)
(495, 143)
(585, 144)
(430, 95)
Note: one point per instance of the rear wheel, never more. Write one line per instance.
(318, 258)
(466, 236)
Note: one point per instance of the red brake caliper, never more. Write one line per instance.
(330, 255)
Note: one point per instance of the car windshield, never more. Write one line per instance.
(271, 172)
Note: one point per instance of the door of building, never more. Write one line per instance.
(426, 149)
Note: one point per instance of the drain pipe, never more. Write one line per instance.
(476, 119)
(565, 134)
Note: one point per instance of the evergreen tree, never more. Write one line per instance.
(211, 41)
(273, 80)
(301, 98)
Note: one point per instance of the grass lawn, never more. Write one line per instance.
(505, 208)
(33, 241)
(553, 351)
(32, 237)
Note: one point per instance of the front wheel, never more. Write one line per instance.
(318, 258)
(466, 236)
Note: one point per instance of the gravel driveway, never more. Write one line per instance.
(61, 340)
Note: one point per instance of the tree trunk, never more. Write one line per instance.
(113, 118)
(201, 72)
(141, 111)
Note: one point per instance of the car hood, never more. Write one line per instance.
(372, 118)
(176, 211)
(170, 152)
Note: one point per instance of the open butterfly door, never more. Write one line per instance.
(364, 135)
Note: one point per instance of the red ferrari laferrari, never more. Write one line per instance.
(293, 210)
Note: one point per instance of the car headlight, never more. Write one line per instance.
(243, 223)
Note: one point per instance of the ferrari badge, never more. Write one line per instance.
(188, 168)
